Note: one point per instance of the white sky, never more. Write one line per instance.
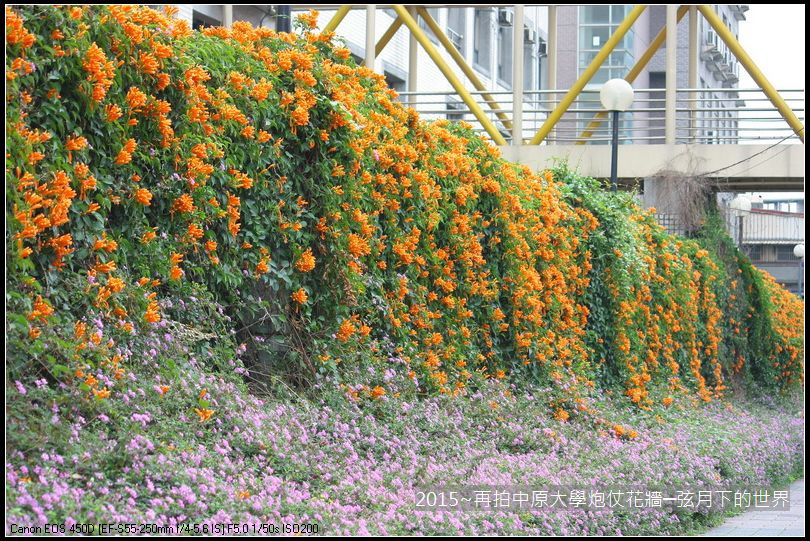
(773, 35)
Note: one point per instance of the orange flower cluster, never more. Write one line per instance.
(100, 71)
(300, 296)
(306, 261)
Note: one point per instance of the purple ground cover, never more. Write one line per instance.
(358, 467)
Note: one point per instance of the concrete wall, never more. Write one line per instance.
(643, 162)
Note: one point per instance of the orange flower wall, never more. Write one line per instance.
(144, 159)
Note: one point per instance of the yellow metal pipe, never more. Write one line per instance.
(634, 72)
(586, 76)
(462, 64)
(424, 41)
(758, 77)
(387, 36)
(337, 18)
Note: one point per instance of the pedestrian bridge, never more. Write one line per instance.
(727, 168)
(736, 139)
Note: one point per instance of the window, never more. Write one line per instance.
(531, 66)
(784, 252)
(755, 252)
(198, 20)
(394, 82)
(482, 40)
(455, 110)
(596, 25)
(457, 26)
(505, 55)
(434, 14)
(596, 14)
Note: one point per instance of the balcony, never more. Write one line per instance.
(738, 11)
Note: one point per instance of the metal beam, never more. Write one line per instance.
(634, 72)
(589, 72)
(339, 15)
(463, 66)
(749, 65)
(451, 77)
(392, 30)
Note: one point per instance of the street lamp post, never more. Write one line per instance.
(740, 205)
(616, 96)
(798, 251)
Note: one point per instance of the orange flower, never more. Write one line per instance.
(136, 98)
(306, 261)
(125, 155)
(105, 244)
(148, 237)
(152, 315)
(300, 116)
(184, 203)
(667, 401)
(143, 196)
(101, 394)
(195, 232)
(346, 330)
(75, 143)
(42, 309)
(300, 296)
(310, 19)
(358, 246)
(113, 112)
(176, 273)
(149, 64)
(377, 392)
(204, 413)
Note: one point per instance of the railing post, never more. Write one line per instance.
(517, 77)
(227, 15)
(671, 74)
(694, 51)
(552, 61)
(371, 35)
(413, 56)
